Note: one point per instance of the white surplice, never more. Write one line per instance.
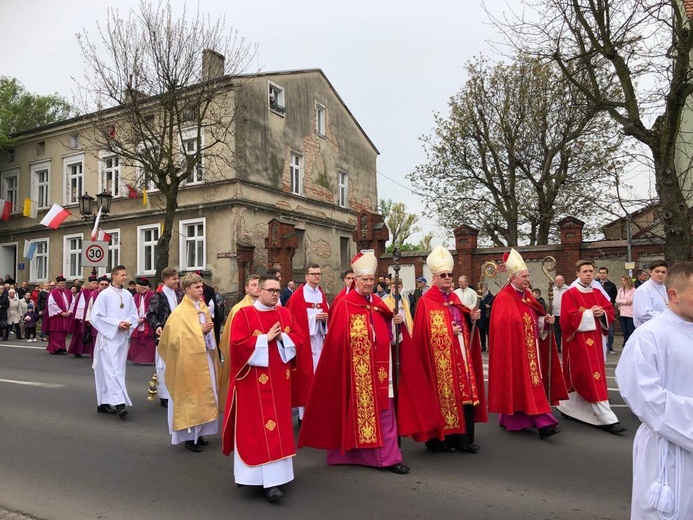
(316, 329)
(654, 378)
(162, 390)
(112, 343)
(650, 300)
(208, 428)
(277, 472)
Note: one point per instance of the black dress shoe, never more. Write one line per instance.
(105, 408)
(615, 428)
(121, 411)
(548, 431)
(190, 445)
(273, 493)
(400, 469)
(164, 402)
(471, 448)
(438, 446)
(202, 441)
(78, 355)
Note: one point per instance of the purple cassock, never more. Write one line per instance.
(59, 300)
(387, 455)
(81, 342)
(142, 344)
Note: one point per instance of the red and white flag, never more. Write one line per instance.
(95, 231)
(101, 236)
(55, 216)
(5, 209)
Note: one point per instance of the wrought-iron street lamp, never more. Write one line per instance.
(86, 205)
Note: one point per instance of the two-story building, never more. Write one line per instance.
(302, 189)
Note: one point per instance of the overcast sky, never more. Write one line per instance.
(394, 64)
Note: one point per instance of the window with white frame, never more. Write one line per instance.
(147, 237)
(149, 150)
(40, 183)
(320, 119)
(343, 182)
(276, 99)
(72, 256)
(110, 175)
(192, 244)
(296, 172)
(10, 188)
(113, 255)
(38, 266)
(74, 178)
(190, 148)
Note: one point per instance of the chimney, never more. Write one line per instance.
(212, 65)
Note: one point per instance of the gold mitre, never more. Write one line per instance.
(364, 263)
(440, 260)
(513, 262)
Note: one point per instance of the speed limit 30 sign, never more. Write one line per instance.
(94, 254)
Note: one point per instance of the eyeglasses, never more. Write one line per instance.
(444, 275)
(314, 274)
(272, 291)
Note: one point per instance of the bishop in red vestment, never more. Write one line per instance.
(350, 409)
(524, 368)
(585, 318)
(452, 362)
(257, 420)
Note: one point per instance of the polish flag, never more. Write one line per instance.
(55, 216)
(5, 209)
(101, 236)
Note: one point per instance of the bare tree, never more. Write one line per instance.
(519, 150)
(166, 94)
(631, 59)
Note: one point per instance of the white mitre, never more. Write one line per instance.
(364, 263)
(513, 262)
(440, 260)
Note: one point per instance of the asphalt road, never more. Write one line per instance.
(60, 460)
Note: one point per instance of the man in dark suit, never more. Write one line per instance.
(287, 292)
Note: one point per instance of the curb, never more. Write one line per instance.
(6, 514)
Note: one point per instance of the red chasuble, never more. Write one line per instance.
(351, 383)
(456, 381)
(518, 371)
(258, 407)
(303, 376)
(583, 352)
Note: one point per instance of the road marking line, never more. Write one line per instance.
(24, 346)
(31, 383)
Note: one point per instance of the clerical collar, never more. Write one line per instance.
(584, 288)
(366, 297)
(262, 307)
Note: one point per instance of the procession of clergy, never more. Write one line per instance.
(335, 364)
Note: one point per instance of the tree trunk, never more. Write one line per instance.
(162, 246)
(673, 208)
